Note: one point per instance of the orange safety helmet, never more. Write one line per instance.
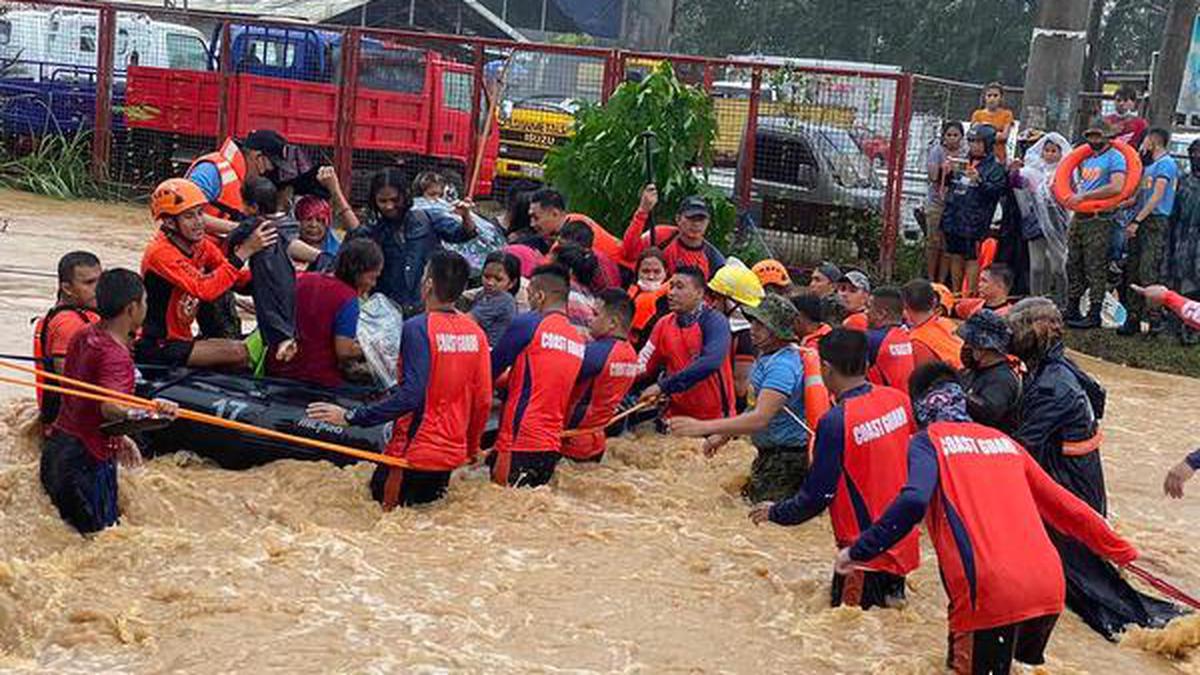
(945, 299)
(174, 196)
(772, 272)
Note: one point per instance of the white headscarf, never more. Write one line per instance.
(1033, 156)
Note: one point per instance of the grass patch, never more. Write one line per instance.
(57, 166)
(1162, 354)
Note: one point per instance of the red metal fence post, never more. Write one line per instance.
(897, 157)
(746, 175)
(106, 31)
(343, 142)
(478, 94)
(225, 68)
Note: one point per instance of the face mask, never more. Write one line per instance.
(968, 358)
(1195, 162)
(1098, 147)
(1147, 158)
(649, 286)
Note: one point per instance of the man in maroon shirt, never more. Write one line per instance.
(79, 462)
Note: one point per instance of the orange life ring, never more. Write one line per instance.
(1063, 190)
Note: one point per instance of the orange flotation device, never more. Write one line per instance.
(1063, 190)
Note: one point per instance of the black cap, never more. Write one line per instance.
(986, 330)
(275, 147)
(830, 271)
(694, 206)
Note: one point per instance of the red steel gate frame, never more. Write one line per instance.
(614, 71)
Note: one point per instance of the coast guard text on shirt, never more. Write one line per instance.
(880, 426)
(961, 445)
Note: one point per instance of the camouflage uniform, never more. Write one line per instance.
(1145, 263)
(1087, 260)
(778, 471)
(776, 474)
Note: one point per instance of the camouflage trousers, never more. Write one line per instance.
(1087, 260)
(1145, 261)
(776, 474)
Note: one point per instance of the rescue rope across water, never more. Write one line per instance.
(105, 395)
(570, 433)
(1163, 586)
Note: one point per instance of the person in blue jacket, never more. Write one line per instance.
(407, 236)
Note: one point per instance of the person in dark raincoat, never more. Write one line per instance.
(1181, 247)
(1061, 408)
(971, 204)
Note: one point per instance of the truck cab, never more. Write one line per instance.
(299, 53)
(61, 45)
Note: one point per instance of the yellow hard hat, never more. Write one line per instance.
(738, 283)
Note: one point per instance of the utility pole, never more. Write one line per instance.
(1172, 62)
(647, 24)
(1053, 79)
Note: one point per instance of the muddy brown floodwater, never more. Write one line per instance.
(645, 563)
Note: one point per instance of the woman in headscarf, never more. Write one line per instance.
(1043, 220)
(1061, 408)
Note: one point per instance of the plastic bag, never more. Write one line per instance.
(380, 327)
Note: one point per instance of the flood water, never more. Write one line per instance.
(646, 563)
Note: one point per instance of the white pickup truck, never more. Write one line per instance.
(61, 44)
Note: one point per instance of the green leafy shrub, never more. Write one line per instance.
(57, 166)
(601, 169)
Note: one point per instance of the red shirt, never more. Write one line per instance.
(546, 354)
(874, 468)
(694, 350)
(890, 357)
(986, 522)
(319, 300)
(706, 257)
(610, 367)
(95, 357)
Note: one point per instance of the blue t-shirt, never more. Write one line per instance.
(207, 177)
(1096, 172)
(1163, 168)
(781, 371)
(345, 322)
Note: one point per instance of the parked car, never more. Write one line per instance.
(810, 187)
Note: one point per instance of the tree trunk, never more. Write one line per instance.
(1056, 56)
(1172, 62)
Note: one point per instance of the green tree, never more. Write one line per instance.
(601, 169)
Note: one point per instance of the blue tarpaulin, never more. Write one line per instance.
(601, 18)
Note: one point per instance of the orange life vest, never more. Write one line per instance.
(937, 334)
(231, 165)
(49, 402)
(645, 305)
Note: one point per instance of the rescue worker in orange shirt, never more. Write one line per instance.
(691, 346)
(995, 283)
(989, 508)
(932, 336)
(787, 401)
(854, 292)
(860, 462)
(74, 309)
(610, 367)
(182, 268)
(440, 404)
(889, 350)
(810, 322)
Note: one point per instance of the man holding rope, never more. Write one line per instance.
(79, 462)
